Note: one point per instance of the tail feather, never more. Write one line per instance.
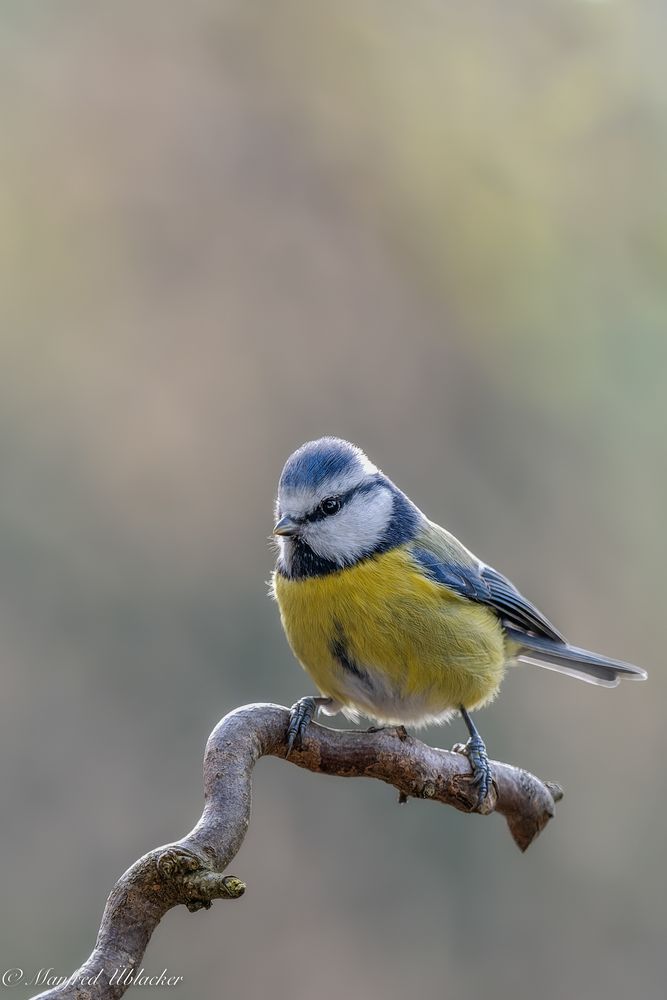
(581, 663)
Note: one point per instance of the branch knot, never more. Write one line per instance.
(199, 883)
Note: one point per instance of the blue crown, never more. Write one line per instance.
(316, 461)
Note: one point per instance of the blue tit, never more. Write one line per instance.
(392, 617)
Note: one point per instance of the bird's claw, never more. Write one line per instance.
(300, 716)
(482, 775)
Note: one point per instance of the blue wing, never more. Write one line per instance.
(446, 561)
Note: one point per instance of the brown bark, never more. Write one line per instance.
(190, 871)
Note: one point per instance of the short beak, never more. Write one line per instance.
(286, 526)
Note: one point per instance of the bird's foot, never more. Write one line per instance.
(482, 775)
(300, 716)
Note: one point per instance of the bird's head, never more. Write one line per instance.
(334, 507)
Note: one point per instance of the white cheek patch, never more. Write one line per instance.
(355, 530)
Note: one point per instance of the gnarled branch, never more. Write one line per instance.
(190, 871)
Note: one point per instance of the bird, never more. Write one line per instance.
(393, 618)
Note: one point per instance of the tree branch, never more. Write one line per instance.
(189, 871)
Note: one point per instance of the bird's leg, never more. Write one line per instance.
(300, 716)
(475, 751)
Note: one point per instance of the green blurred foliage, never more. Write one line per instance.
(227, 227)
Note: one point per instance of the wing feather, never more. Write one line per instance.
(448, 562)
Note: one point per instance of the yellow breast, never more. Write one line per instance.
(384, 640)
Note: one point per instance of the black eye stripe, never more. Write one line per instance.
(322, 510)
(318, 514)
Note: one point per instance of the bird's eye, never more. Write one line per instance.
(330, 505)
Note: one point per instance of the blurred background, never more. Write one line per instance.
(437, 229)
